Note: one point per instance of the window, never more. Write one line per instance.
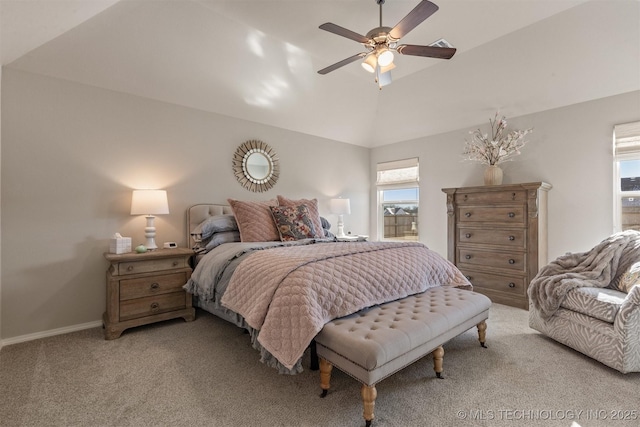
(626, 209)
(397, 184)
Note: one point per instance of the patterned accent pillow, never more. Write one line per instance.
(293, 222)
(630, 278)
(314, 213)
(255, 221)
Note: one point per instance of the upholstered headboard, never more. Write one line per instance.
(198, 213)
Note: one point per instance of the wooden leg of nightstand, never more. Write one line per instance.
(110, 331)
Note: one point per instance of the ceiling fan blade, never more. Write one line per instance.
(341, 31)
(429, 51)
(422, 11)
(342, 63)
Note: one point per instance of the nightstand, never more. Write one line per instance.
(146, 288)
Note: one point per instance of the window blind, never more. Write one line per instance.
(626, 138)
(399, 173)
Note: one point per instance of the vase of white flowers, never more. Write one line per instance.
(501, 147)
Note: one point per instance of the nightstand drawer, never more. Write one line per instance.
(154, 285)
(151, 265)
(510, 261)
(142, 307)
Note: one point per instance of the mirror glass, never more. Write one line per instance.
(255, 166)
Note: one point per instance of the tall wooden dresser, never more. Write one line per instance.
(497, 237)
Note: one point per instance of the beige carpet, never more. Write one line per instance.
(205, 373)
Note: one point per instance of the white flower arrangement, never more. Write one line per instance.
(497, 149)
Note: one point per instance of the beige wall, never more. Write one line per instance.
(570, 148)
(72, 154)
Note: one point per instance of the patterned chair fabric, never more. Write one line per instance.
(601, 323)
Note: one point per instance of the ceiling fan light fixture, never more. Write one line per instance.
(370, 63)
(387, 68)
(385, 56)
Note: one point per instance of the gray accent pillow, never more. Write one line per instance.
(212, 225)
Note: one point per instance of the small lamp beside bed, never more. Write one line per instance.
(340, 207)
(149, 203)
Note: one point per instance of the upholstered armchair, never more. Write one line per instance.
(602, 323)
(591, 301)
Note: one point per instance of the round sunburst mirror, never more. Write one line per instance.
(256, 166)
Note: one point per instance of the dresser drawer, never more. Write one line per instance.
(510, 261)
(142, 307)
(150, 265)
(153, 285)
(502, 214)
(510, 284)
(509, 238)
(491, 197)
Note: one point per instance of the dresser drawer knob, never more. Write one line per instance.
(175, 263)
(468, 278)
(512, 285)
(468, 235)
(512, 261)
(467, 256)
(512, 215)
(130, 268)
(466, 197)
(467, 214)
(155, 286)
(155, 306)
(512, 238)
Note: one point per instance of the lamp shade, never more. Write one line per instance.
(149, 202)
(340, 206)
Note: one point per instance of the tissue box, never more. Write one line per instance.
(120, 246)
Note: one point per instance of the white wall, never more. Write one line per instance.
(570, 148)
(72, 154)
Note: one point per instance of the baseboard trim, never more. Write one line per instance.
(50, 333)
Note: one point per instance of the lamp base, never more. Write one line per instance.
(150, 234)
(340, 232)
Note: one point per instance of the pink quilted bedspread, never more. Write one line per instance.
(289, 293)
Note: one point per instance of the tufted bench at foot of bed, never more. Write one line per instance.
(376, 342)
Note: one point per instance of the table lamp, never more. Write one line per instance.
(340, 207)
(149, 203)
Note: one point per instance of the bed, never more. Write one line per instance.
(284, 287)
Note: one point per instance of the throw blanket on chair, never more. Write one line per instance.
(598, 267)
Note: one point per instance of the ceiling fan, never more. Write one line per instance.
(381, 42)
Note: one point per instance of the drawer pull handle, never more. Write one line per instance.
(155, 306)
(155, 286)
(468, 235)
(512, 238)
(512, 215)
(512, 285)
(467, 256)
(512, 261)
(466, 197)
(175, 263)
(468, 278)
(468, 214)
(130, 268)
(513, 196)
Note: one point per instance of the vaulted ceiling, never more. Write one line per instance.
(257, 60)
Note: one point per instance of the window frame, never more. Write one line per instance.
(626, 147)
(412, 183)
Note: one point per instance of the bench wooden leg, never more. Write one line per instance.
(325, 376)
(482, 333)
(438, 355)
(369, 394)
